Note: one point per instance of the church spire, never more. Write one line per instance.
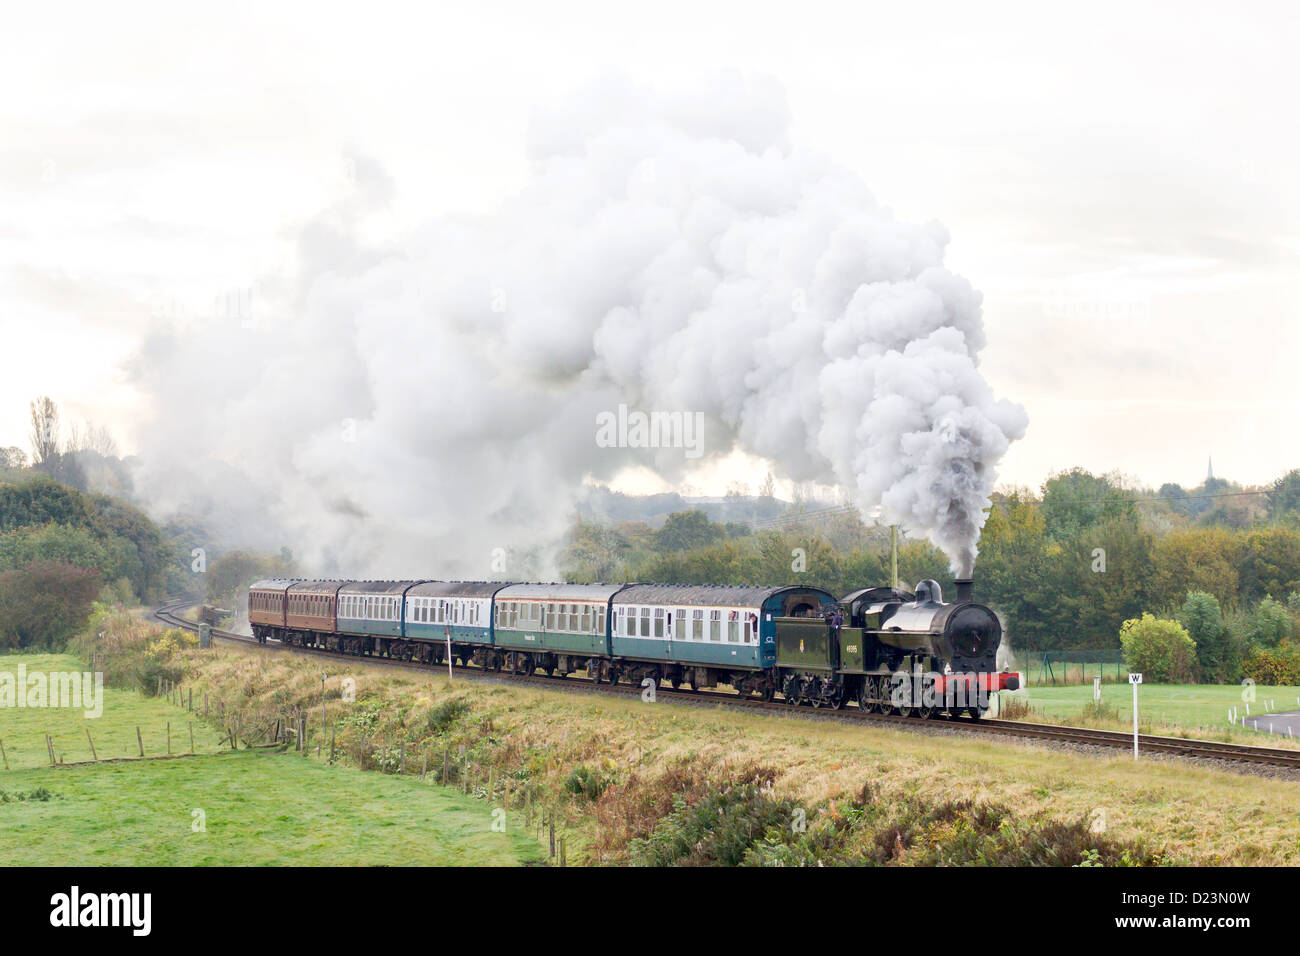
(1210, 472)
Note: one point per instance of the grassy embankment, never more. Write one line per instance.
(658, 783)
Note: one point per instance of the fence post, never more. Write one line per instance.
(191, 736)
(139, 739)
(4, 755)
(93, 756)
(169, 738)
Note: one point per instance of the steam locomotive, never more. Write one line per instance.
(888, 650)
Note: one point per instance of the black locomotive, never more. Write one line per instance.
(893, 651)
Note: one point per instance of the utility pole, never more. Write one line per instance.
(324, 725)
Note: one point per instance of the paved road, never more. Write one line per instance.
(1277, 723)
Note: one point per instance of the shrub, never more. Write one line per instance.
(586, 782)
(443, 717)
(1159, 648)
(1274, 667)
(44, 604)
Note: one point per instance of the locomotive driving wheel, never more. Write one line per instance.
(791, 690)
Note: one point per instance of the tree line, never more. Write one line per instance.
(1065, 566)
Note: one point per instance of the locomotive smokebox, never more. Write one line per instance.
(965, 589)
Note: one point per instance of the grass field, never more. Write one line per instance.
(260, 807)
(1166, 707)
(1196, 814)
(23, 729)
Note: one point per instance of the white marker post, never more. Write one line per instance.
(1135, 679)
(450, 675)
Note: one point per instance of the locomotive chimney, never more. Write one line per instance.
(965, 589)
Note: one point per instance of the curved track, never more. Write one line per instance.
(1150, 743)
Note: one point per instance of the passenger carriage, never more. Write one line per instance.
(559, 628)
(459, 612)
(704, 635)
(310, 612)
(370, 619)
(266, 607)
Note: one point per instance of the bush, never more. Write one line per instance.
(1159, 648)
(443, 717)
(586, 782)
(44, 604)
(1274, 667)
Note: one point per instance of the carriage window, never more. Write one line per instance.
(550, 617)
(600, 620)
(715, 625)
(586, 619)
(645, 622)
(697, 625)
(659, 622)
(733, 628)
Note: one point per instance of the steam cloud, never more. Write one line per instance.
(404, 411)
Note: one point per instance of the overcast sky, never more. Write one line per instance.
(1119, 181)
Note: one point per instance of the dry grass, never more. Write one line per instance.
(540, 738)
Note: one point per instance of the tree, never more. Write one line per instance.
(1268, 561)
(13, 457)
(1159, 648)
(768, 488)
(93, 438)
(1216, 651)
(1284, 496)
(1269, 625)
(684, 530)
(44, 604)
(1196, 559)
(45, 430)
(1077, 499)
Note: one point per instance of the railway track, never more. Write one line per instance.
(170, 614)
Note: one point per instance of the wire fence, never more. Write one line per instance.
(1074, 667)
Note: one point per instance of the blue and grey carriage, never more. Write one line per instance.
(453, 617)
(559, 628)
(370, 618)
(704, 635)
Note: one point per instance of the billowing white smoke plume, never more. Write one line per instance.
(422, 410)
